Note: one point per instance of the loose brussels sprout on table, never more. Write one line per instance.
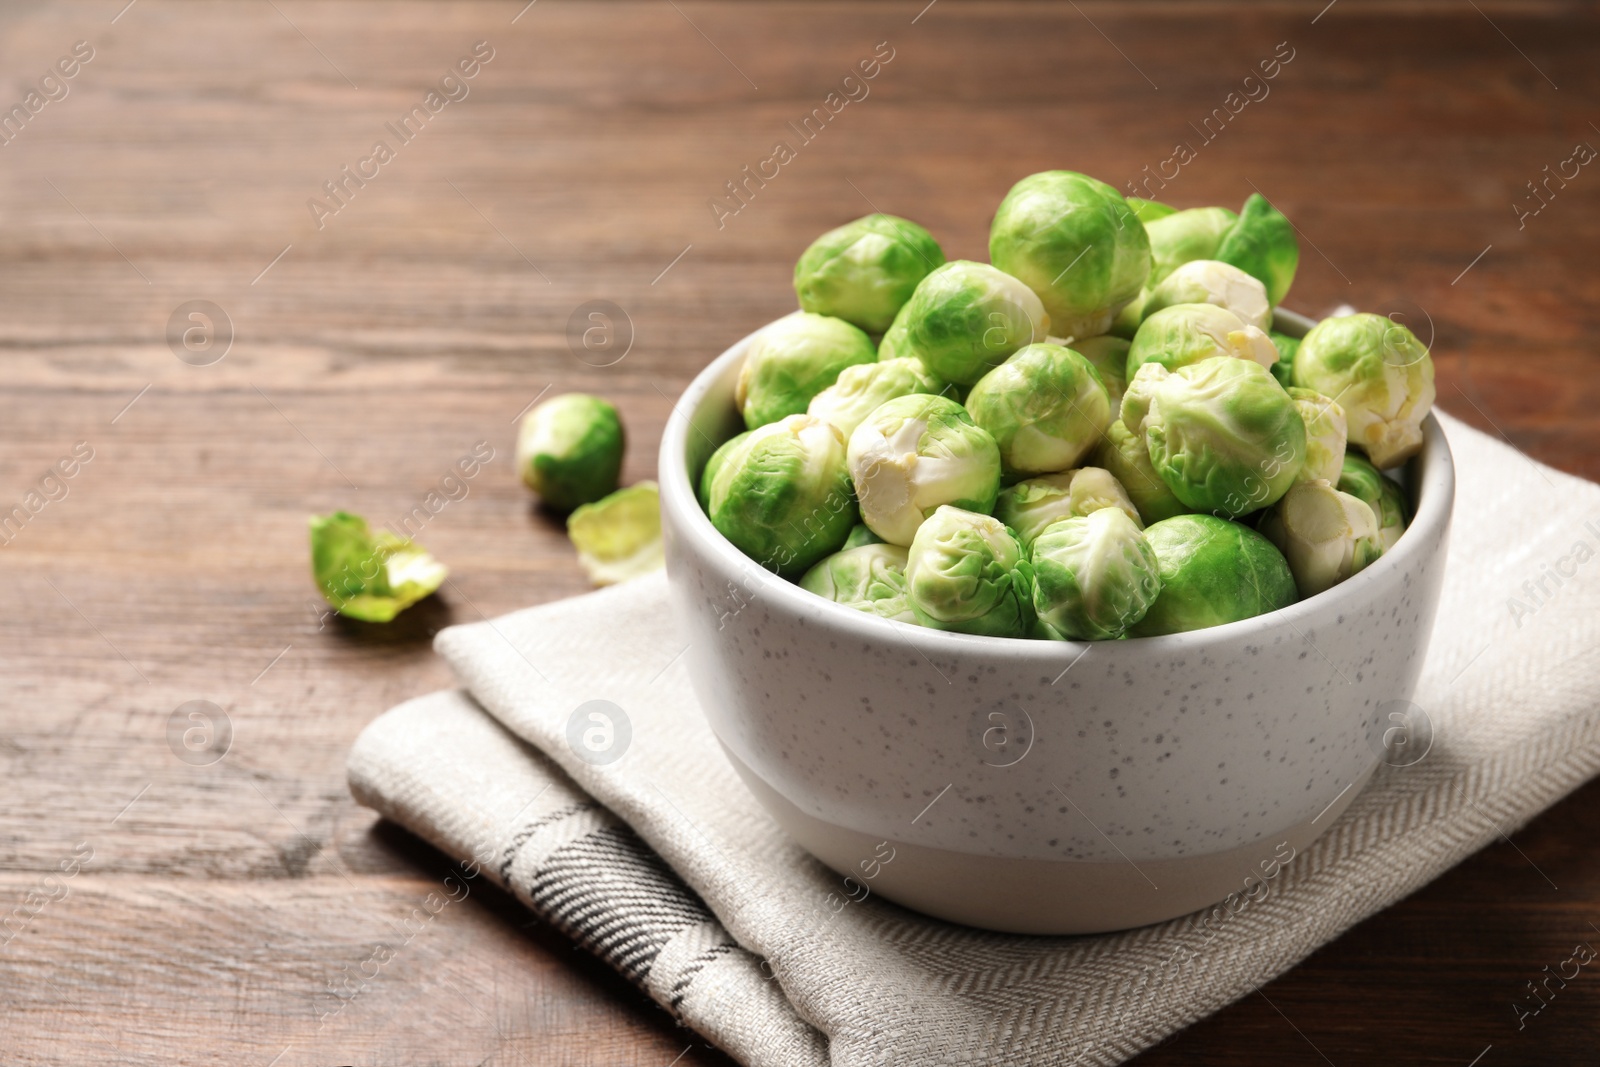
(1046, 408)
(1222, 433)
(781, 493)
(1094, 577)
(1379, 373)
(569, 450)
(967, 317)
(868, 578)
(1031, 506)
(865, 270)
(1184, 334)
(1073, 240)
(619, 536)
(914, 454)
(367, 576)
(967, 572)
(864, 387)
(792, 361)
(1230, 465)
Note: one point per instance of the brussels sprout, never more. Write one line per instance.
(1262, 243)
(860, 534)
(1127, 458)
(1325, 535)
(1210, 281)
(781, 493)
(895, 342)
(863, 387)
(871, 578)
(1222, 433)
(1185, 334)
(1325, 435)
(966, 572)
(966, 317)
(1075, 242)
(1093, 577)
(1380, 493)
(1287, 346)
(1045, 407)
(1110, 357)
(1149, 210)
(1184, 236)
(569, 450)
(1126, 324)
(1379, 373)
(619, 537)
(864, 271)
(1212, 572)
(1028, 507)
(915, 453)
(792, 361)
(366, 576)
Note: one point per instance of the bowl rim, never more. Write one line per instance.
(1435, 496)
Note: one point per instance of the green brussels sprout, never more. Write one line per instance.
(1325, 435)
(864, 271)
(967, 317)
(1093, 577)
(863, 387)
(1126, 324)
(1379, 373)
(871, 578)
(619, 536)
(895, 342)
(1380, 493)
(793, 360)
(1028, 507)
(1149, 210)
(1178, 238)
(1222, 433)
(1210, 281)
(569, 450)
(860, 534)
(1127, 458)
(1185, 334)
(781, 493)
(1263, 244)
(915, 453)
(367, 576)
(1212, 572)
(1325, 535)
(966, 572)
(1287, 346)
(1110, 357)
(1075, 242)
(1045, 407)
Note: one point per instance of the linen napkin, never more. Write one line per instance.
(663, 864)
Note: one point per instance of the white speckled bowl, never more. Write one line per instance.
(1038, 786)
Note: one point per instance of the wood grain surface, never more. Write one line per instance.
(214, 905)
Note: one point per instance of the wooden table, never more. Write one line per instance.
(374, 344)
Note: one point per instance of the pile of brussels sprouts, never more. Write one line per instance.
(1096, 435)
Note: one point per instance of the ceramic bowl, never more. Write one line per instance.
(1039, 786)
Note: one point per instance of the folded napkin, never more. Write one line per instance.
(661, 862)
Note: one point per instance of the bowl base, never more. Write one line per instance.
(1028, 896)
